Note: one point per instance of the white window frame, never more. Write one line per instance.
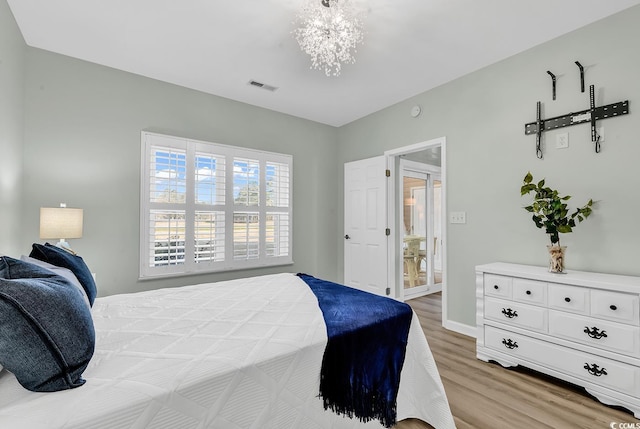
(284, 207)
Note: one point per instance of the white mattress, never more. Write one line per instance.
(237, 354)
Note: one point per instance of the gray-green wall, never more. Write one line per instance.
(82, 147)
(11, 126)
(482, 115)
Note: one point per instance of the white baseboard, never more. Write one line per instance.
(460, 328)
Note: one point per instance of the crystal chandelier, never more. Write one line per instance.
(329, 32)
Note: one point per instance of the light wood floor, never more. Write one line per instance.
(487, 396)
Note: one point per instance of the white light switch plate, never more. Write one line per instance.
(458, 217)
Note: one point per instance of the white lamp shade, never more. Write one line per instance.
(60, 222)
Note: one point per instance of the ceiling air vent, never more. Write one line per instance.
(262, 85)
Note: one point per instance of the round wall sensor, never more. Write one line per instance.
(415, 111)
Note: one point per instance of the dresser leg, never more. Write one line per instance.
(633, 408)
(480, 354)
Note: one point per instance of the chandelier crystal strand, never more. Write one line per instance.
(329, 33)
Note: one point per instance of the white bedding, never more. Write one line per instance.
(237, 354)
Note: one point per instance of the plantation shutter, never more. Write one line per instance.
(207, 207)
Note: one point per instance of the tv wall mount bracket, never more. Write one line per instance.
(592, 114)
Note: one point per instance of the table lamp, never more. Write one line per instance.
(61, 223)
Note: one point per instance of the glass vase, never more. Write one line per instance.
(556, 258)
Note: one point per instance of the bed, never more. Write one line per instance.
(244, 353)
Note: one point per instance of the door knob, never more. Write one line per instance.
(347, 237)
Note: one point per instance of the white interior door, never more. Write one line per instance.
(365, 224)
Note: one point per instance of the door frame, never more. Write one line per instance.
(395, 239)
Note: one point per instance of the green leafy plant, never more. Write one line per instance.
(550, 209)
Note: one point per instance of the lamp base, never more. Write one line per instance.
(65, 246)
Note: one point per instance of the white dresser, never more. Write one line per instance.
(580, 327)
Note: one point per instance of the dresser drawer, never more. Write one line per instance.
(569, 298)
(616, 306)
(594, 369)
(529, 291)
(516, 314)
(603, 334)
(497, 286)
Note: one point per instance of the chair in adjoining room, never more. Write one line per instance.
(412, 258)
(410, 268)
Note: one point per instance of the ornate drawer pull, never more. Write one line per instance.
(613, 307)
(496, 287)
(567, 299)
(594, 370)
(510, 344)
(509, 313)
(595, 332)
(528, 292)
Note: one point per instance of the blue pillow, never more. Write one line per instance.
(60, 257)
(47, 336)
(64, 272)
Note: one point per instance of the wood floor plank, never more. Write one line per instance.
(487, 396)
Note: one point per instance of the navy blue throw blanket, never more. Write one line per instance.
(367, 339)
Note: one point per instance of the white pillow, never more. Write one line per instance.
(61, 271)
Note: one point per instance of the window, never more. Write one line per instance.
(208, 207)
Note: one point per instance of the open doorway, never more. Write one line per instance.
(416, 213)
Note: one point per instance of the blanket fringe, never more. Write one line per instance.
(365, 410)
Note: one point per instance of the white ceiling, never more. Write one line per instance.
(217, 46)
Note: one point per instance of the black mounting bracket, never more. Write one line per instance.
(592, 114)
(553, 83)
(581, 75)
(575, 118)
